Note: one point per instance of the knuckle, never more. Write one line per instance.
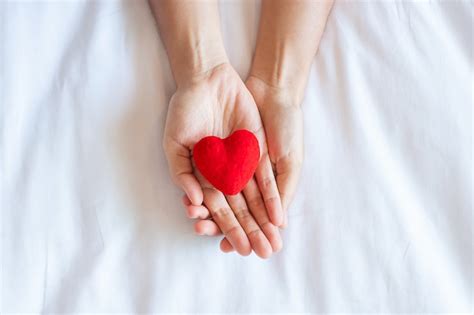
(271, 199)
(256, 202)
(221, 213)
(254, 232)
(231, 230)
(267, 182)
(265, 223)
(242, 214)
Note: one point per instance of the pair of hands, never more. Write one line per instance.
(217, 102)
(211, 99)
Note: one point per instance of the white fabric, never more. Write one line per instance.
(90, 221)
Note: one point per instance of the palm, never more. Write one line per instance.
(217, 106)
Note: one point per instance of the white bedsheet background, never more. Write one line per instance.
(90, 221)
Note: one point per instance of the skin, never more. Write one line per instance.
(288, 39)
(211, 99)
(283, 123)
(218, 104)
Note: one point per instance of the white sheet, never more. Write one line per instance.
(382, 221)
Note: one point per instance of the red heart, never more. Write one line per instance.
(228, 163)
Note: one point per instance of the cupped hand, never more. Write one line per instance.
(217, 103)
(282, 119)
(280, 111)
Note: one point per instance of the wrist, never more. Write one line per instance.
(281, 68)
(196, 59)
(281, 75)
(266, 94)
(190, 31)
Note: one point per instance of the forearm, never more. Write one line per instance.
(288, 38)
(190, 31)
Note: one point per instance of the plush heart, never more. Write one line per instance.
(228, 163)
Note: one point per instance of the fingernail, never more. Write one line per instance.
(186, 200)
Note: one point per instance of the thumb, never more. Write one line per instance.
(181, 169)
(287, 175)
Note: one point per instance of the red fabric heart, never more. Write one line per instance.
(228, 163)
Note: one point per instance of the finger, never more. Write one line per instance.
(186, 200)
(224, 217)
(206, 227)
(257, 238)
(190, 185)
(288, 172)
(269, 190)
(226, 247)
(181, 170)
(257, 208)
(195, 212)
